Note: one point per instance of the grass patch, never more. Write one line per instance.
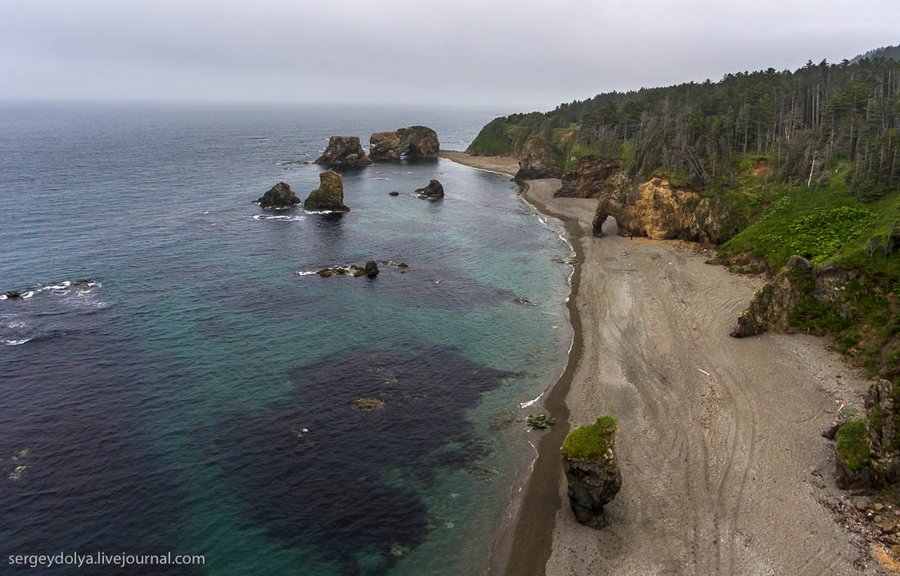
(590, 440)
(851, 447)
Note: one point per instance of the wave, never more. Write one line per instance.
(16, 342)
(323, 211)
(278, 217)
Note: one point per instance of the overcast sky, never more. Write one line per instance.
(515, 55)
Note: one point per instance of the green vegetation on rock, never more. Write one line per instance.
(590, 440)
(851, 447)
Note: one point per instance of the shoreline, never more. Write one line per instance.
(523, 547)
(724, 469)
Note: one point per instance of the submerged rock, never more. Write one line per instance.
(414, 143)
(12, 294)
(536, 161)
(433, 191)
(279, 196)
(393, 193)
(540, 421)
(370, 270)
(592, 470)
(344, 151)
(366, 404)
(329, 195)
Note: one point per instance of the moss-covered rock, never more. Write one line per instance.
(853, 464)
(592, 470)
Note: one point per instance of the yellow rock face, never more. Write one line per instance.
(664, 212)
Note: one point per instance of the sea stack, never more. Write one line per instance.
(592, 470)
(434, 190)
(280, 196)
(344, 152)
(329, 195)
(413, 143)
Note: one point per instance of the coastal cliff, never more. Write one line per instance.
(751, 166)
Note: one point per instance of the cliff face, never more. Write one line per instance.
(595, 177)
(663, 212)
(774, 303)
(536, 161)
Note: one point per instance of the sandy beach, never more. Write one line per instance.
(724, 468)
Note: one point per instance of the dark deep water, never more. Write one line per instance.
(196, 396)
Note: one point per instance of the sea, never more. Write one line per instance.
(174, 379)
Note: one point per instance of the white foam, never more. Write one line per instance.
(28, 294)
(307, 273)
(279, 218)
(16, 342)
(323, 211)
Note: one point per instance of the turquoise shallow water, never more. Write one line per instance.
(197, 395)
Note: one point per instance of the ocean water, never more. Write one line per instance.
(173, 383)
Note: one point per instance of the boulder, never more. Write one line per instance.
(344, 152)
(413, 143)
(329, 195)
(433, 191)
(393, 193)
(279, 196)
(595, 177)
(592, 470)
(12, 294)
(772, 304)
(536, 161)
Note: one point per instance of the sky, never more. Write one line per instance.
(513, 55)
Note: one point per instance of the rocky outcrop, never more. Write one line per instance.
(883, 427)
(772, 304)
(592, 470)
(605, 209)
(344, 152)
(433, 191)
(370, 270)
(536, 161)
(413, 143)
(279, 196)
(596, 177)
(329, 195)
(662, 211)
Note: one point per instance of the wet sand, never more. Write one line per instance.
(724, 468)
